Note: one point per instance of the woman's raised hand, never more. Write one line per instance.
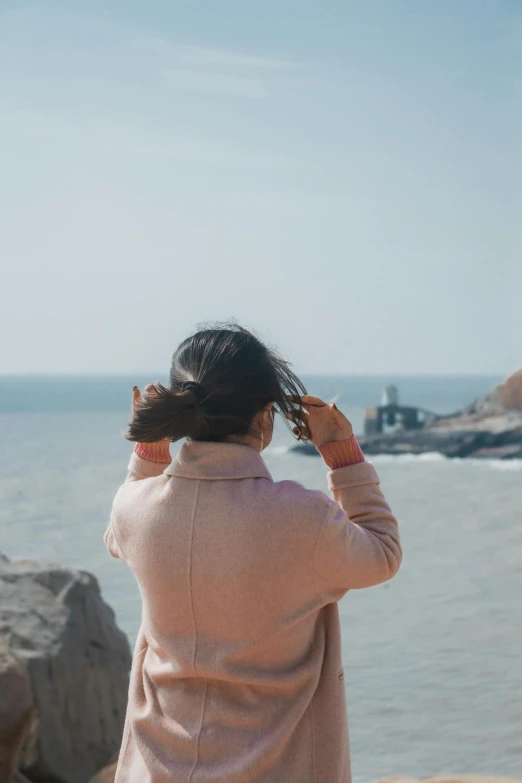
(321, 422)
(137, 396)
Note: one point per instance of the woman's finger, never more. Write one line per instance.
(306, 432)
(293, 414)
(296, 415)
(136, 396)
(305, 398)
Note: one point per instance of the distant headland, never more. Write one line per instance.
(490, 427)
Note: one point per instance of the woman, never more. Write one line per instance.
(237, 673)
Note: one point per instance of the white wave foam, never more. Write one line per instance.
(435, 456)
(506, 464)
(429, 457)
(278, 449)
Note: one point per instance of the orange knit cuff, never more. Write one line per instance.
(340, 453)
(154, 452)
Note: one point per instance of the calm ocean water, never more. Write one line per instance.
(433, 659)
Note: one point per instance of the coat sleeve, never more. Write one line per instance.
(138, 469)
(359, 543)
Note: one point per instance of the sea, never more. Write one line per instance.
(433, 658)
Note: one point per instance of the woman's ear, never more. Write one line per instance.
(266, 415)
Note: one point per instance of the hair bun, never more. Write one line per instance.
(196, 387)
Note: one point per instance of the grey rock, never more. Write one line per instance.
(55, 622)
(16, 711)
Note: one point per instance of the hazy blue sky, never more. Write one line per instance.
(343, 177)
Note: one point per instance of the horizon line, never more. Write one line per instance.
(381, 374)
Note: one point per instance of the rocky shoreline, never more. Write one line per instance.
(488, 428)
(478, 444)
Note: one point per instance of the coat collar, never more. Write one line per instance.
(208, 460)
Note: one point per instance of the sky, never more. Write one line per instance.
(342, 177)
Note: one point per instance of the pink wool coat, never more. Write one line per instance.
(237, 673)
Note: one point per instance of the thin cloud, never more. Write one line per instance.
(191, 56)
(201, 56)
(188, 80)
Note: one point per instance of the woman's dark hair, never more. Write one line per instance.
(239, 375)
